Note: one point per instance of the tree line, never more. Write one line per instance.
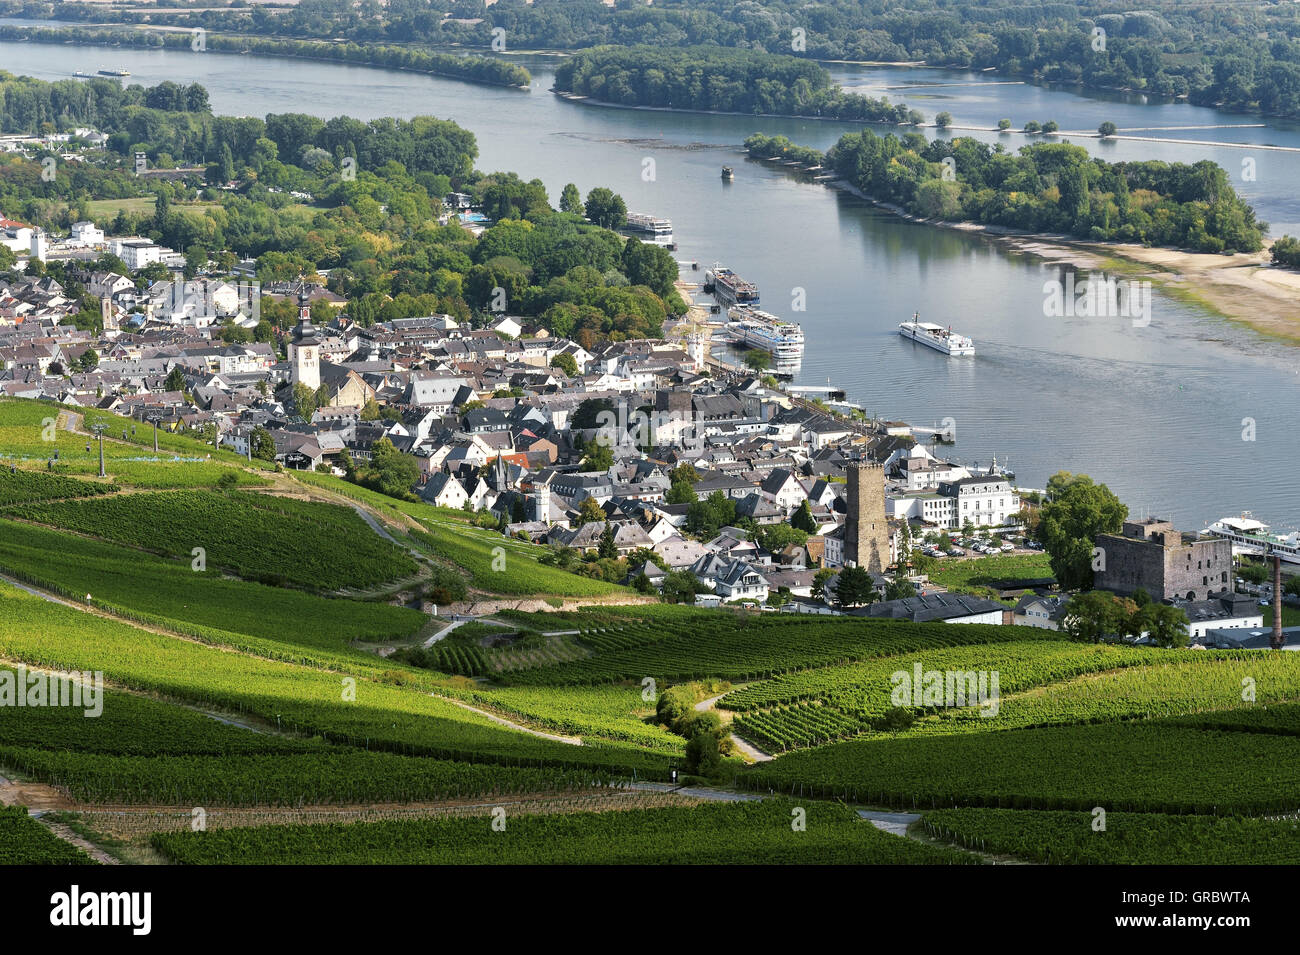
(1044, 187)
(710, 78)
(1244, 57)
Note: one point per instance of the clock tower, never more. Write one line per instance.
(304, 346)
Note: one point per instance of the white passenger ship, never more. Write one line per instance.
(1253, 537)
(936, 336)
(781, 339)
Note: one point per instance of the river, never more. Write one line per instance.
(1157, 412)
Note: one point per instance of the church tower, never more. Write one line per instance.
(304, 347)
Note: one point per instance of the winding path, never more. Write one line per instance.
(570, 740)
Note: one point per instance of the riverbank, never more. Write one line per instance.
(1243, 288)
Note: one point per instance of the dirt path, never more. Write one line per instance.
(749, 749)
(571, 740)
(64, 832)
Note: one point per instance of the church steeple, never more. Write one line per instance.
(304, 347)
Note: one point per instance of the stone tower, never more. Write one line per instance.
(866, 531)
(304, 348)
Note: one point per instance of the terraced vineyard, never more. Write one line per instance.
(737, 833)
(257, 537)
(1128, 839)
(274, 622)
(29, 436)
(379, 715)
(606, 712)
(1142, 767)
(803, 724)
(729, 647)
(500, 565)
(19, 487)
(24, 841)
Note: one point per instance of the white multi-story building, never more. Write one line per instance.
(988, 501)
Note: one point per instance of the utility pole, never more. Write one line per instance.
(99, 430)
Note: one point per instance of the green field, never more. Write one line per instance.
(1143, 767)
(1128, 838)
(716, 833)
(254, 536)
(977, 575)
(270, 621)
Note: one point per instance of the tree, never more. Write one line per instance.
(371, 411)
(756, 359)
(175, 379)
(1077, 512)
(304, 401)
(391, 471)
(681, 492)
(820, 579)
(1004, 124)
(1253, 573)
(606, 208)
(1032, 126)
(264, 444)
(684, 472)
(899, 590)
(703, 518)
(88, 360)
(1107, 129)
(566, 363)
(589, 510)
(681, 586)
(608, 549)
(802, 519)
(1096, 614)
(1050, 126)
(943, 120)
(855, 587)
(599, 457)
(571, 200)
(1164, 624)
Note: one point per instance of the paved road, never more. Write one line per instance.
(892, 822)
(441, 634)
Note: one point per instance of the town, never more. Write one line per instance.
(707, 480)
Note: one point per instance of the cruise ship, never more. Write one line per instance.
(660, 231)
(1252, 537)
(781, 339)
(937, 337)
(729, 288)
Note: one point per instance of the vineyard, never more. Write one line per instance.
(24, 841)
(500, 565)
(380, 715)
(338, 777)
(270, 539)
(607, 712)
(710, 833)
(1141, 767)
(729, 647)
(30, 436)
(20, 487)
(1129, 838)
(272, 622)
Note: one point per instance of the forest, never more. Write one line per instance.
(1045, 187)
(707, 78)
(1242, 56)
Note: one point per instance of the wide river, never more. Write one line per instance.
(1157, 411)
